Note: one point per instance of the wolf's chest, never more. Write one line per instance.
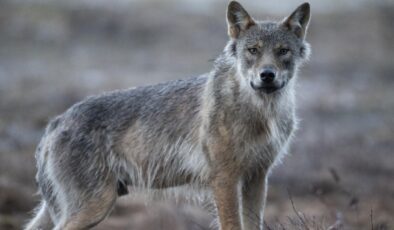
(265, 148)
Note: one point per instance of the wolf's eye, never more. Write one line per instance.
(283, 51)
(252, 50)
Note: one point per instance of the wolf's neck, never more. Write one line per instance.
(224, 64)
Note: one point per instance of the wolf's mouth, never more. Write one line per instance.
(267, 88)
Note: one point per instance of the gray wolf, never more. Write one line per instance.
(223, 131)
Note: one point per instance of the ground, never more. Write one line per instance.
(339, 172)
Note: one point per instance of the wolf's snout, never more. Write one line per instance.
(267, 75)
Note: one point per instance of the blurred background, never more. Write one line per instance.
(341, 169)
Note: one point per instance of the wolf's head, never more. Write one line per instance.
(267, 54)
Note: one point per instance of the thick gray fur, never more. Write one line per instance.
(214, 131)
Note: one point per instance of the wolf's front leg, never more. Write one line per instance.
(253, 201)
(225, 191)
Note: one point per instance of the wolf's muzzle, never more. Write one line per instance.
(268, 88)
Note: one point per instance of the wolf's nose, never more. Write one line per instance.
(267, 75)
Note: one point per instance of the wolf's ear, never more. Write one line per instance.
(238, 20)
(298, 20)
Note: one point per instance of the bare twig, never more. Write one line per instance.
(296, 212)
(267, 226)
(372, 219)
(282, 226)
(338, 223)
(335, 175)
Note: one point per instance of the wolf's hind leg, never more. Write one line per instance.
(42, 219)
(88, 210)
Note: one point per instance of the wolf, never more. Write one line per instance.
(223, 131)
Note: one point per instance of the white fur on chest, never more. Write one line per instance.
(268, 149)
(194, 161)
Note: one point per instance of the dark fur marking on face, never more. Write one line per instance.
(233, 49)
(249, 62)
(287, 64)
